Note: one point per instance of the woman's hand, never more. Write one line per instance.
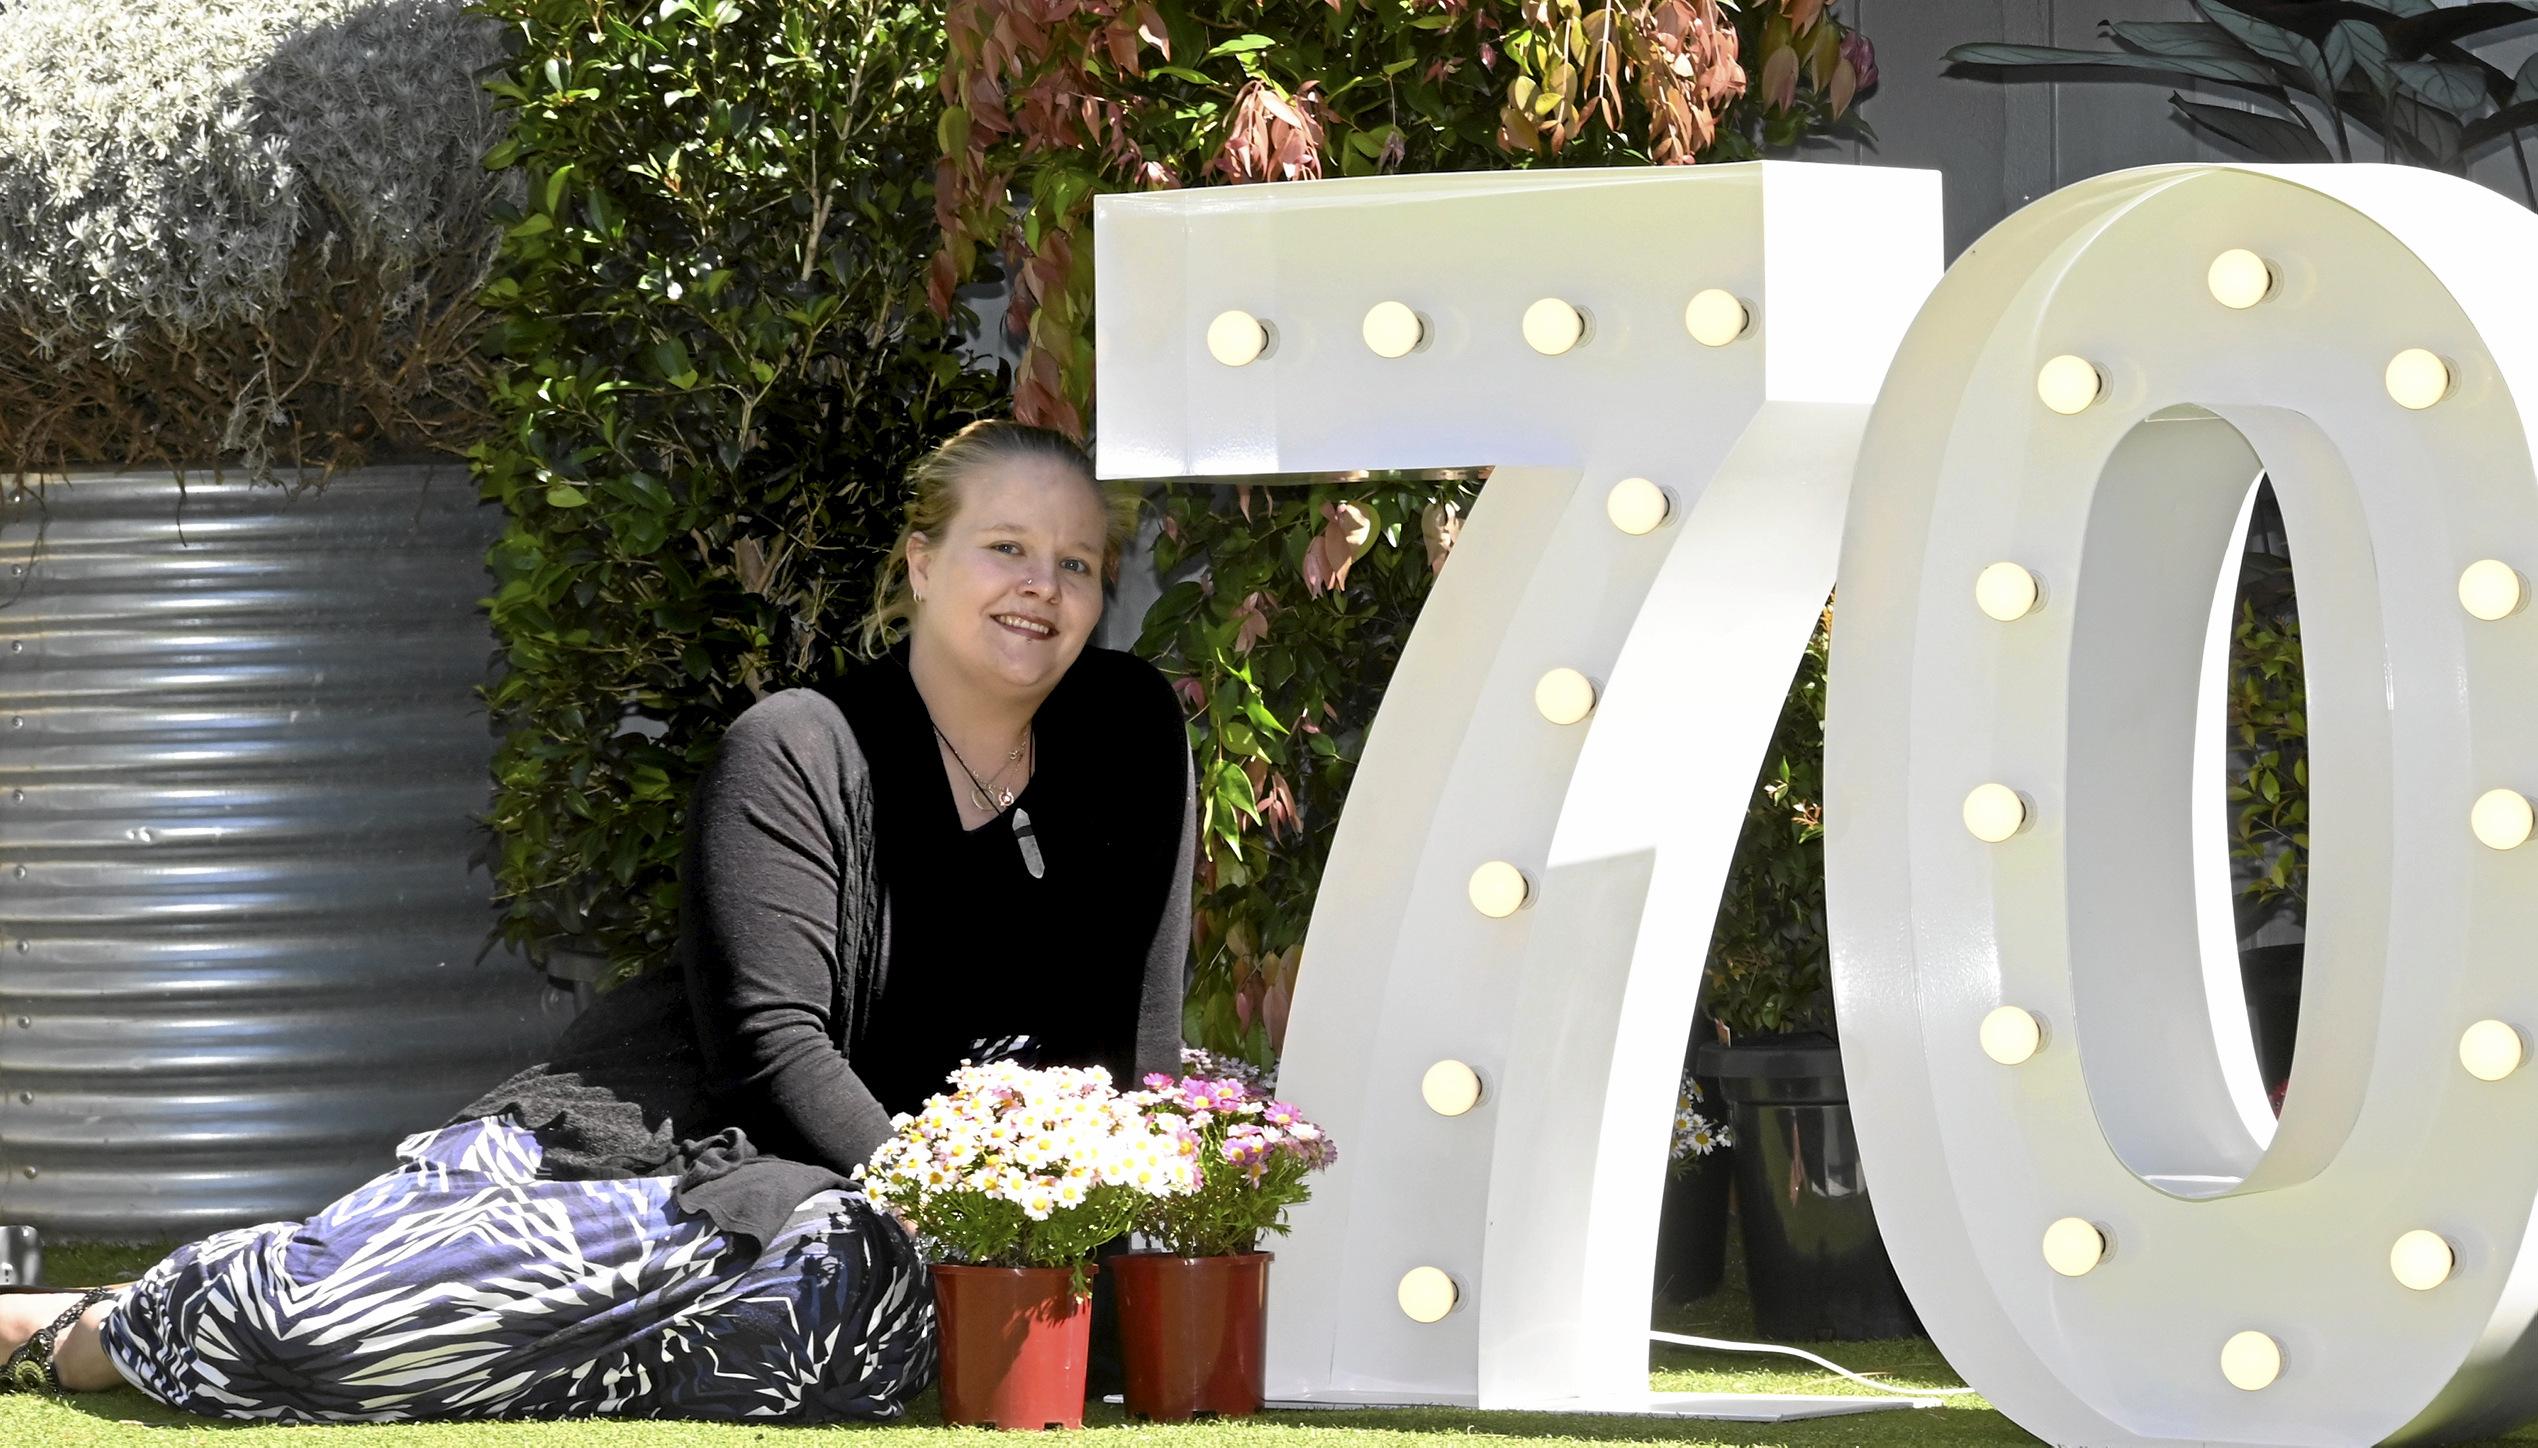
(905, 1226)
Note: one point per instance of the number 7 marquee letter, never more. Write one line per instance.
(1667, 373)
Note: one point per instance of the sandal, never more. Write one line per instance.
(30, 1369)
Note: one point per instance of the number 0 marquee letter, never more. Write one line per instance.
(1667, 372)
(2086, 1222)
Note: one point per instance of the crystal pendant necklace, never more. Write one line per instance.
(983, 795)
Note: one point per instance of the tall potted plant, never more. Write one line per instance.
(2403, 72)
(1010, 1181)
(1193, 1315)
(1813, 1258)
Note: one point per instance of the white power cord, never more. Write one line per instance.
(1720, 1344)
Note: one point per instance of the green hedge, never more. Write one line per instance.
(1282, 670)
(1283, 638)
(712, 375)
(2268, 714)
(1770, 966)
(1060, 104)
(715, 366)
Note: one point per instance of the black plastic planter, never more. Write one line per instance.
(1692, 1228)
(1812, 1254)
(2270, 975)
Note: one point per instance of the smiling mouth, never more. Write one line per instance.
(1027, 627)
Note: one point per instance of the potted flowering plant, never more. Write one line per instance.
(1193, 1314)
(1010, 1180)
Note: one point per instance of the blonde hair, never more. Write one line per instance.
(934, 498)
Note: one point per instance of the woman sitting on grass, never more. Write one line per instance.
(975, 843)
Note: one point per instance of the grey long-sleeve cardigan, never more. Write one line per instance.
(841, 936)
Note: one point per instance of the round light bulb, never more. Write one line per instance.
(1564, 696)
(2251, 1361)
(1716, 318)
(2422, 1260)
(2417, 379)
(2491, 1050)
(1994, 812)
(1237, 338)
(2502, 819)
(1553, 326)
(2011, 1036)
(2491, 589)
(1426, 1294)
(1637, 506)
(2007, 592)
(2074, 1246)
(1450, 1088)
(1391, 329)
(2069, 384)
(2239, 279)
(1499, 889)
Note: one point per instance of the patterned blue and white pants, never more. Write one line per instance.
(461, 1285)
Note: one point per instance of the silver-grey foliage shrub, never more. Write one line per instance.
(245, 230)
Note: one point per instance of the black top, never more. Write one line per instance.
(845, 943)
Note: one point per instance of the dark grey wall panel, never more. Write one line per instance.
(2001, 145)
(1926, 119)
(2103, 125)
(240, 757)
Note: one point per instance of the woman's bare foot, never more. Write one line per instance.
(79, 1354)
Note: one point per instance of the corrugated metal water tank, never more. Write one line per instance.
(241, 757)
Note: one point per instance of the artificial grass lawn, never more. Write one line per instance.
(127, 1418)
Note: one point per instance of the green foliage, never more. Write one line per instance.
(2397, 69)
(1770, 959)
(978, 1229)
(1225, 1218)
(2269, 739)
(1064, 100)
(714, 369)
(1282, 670)
(1282, 681)
(248, 233)
(1281, 663)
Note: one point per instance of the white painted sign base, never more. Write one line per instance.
(1718, 1407)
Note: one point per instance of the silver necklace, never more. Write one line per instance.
(985, 793)
(1025, 838)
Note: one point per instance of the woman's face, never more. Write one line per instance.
(1012, 586)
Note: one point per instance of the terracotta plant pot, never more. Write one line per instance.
(1014, 1341)
(1191, 1329)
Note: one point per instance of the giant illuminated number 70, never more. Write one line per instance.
(2035, 976)
(1666, 372)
